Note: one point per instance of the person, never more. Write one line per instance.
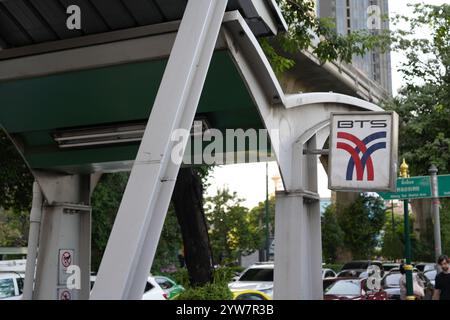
(442, 280)
(418, 285)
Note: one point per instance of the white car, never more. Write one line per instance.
(328, 274)
(256, 277)
(260, 277)
(153, 290)
(11, 285)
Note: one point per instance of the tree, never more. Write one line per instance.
(187, 199)
(361, 223)
(332, 235)
(423, 103)
(16, 180)
(13, 228)
(307, 31)
(105, 204)
(257, 222)
(393, 237)
(230, 229)
(170, 244)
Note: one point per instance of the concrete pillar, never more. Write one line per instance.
(298, 239)
(65, 238)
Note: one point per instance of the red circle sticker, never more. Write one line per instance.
(66, 259)
(65, 295)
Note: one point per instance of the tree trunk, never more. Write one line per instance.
(188, 203)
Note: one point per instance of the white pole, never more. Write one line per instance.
(134, 238)
(435, 207)
(33, 239)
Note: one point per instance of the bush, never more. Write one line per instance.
(218, 290)
(180, 277)
(226, 274)
(211, 291)
(335, 267)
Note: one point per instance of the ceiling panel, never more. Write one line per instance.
(31, 20)
(54, 17)
(144, 11)
(116, 15)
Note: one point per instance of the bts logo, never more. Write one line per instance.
(361, 153)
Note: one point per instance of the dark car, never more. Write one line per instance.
(391, 284)
(425, 266)
(362, 264)
(388, 266)
(352, 289)
(431, 275)
(353, 273)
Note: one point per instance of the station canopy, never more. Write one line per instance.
(46, 115)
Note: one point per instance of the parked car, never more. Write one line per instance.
(250, 295)
(431, 275)
(359, 269)
(152, 291)
(425, 266)
(391, 284)
(328, 282)
(353, 273)
(362, 265)
(11, 285)
(257, 277)
(328, 273)
(170, 287)
(388, 266)
(352, 289)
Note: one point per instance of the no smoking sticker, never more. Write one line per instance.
(65, 295)
(66, 259)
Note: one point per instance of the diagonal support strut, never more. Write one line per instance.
(132, 245)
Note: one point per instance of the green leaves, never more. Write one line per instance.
(361, 224)
(332, 235)
(16, 180)
(423, 104)
(426, 43)
(308, 32)
(228, 228)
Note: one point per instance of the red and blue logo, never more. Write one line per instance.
(361, 153)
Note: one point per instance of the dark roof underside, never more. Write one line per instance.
(28, 22)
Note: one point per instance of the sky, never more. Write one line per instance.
(248, 180)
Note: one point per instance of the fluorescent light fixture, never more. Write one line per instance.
(111, 135)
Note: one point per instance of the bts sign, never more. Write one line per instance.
(363, 151)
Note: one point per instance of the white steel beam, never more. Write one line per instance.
(134, 238)
(294, 122)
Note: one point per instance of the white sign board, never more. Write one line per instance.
(363, 151)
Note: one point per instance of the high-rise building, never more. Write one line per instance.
(353, 15)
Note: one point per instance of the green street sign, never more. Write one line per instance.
(444, 186)
(410, 188)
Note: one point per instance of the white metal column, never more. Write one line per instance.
(33, 241)
(65, 227)
(298, 244)
(134, 238)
